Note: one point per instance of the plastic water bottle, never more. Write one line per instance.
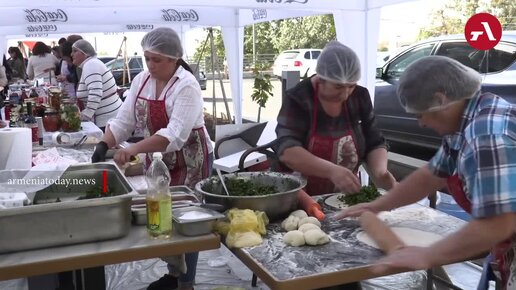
(159, 202)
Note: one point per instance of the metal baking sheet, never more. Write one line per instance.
(48, 223)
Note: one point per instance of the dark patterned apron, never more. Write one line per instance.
(340, 150)
(186, 166)
(503, 252)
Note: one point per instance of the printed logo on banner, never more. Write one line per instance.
(283, 1)
(41, 28)
(259, 14)
(483, 31)
(38, 15)
(37, 35)
(139, 26)
(172, 15)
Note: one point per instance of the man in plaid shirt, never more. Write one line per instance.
(476, 162)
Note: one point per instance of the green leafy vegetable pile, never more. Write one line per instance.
(366, 194)
(97, 192)
(241, 187)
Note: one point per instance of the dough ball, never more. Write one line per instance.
(294, 238)
(306, 227)
(299, 213)
(309, 220)
(316, 237)
(290, 223)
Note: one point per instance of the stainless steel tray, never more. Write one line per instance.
(70, 221)
(93, 174)
(195, 226)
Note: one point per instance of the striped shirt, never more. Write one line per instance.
(482, 153)
(97, 89)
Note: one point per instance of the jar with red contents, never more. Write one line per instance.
(51, 120)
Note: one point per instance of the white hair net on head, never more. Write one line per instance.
(164, 41)
(338, 63)
(429, 75)
(85, 47)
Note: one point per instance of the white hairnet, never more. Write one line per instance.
(338, 63)
(164, 41)
(85, 47)
(429, 75)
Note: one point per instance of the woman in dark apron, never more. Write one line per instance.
(165, 107)
(327, 129)
(476, 162)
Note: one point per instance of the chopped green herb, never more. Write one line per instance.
(366, 194)
(239, 187)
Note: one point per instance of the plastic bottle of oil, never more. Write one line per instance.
(159, 204)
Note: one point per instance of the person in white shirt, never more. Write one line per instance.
(165, 106)
(42, 63)
(97, 90)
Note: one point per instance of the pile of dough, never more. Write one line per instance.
(294, 238)
(302, 229)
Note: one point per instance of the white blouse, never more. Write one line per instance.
(42, 66)
(184, 104)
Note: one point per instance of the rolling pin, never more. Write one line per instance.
(308, 204)
(384, 237)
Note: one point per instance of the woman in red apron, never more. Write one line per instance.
(165, 107)
(326, 127)
(476, 162)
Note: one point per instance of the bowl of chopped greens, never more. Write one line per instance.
(271, 192)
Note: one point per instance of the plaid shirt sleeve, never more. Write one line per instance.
(488, 164)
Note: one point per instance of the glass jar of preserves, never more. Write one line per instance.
(70, 116)
(54, 98)
(51, 120)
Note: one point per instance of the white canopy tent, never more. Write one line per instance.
(356, 21)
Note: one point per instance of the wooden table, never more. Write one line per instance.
(343, 260)
(135, 246)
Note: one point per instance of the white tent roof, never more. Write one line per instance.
(356, 22)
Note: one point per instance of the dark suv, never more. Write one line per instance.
(136, 65)
(497, 66)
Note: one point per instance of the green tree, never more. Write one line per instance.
(203, 51)
(262, 89)
(452, 17)
(264, 33)
(274, 36)
(304, 32)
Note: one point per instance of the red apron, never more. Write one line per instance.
(186, 166)
(502, 252)
(340, 150)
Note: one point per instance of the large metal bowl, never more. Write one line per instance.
(276, 205)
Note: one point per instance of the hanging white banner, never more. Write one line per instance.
(43, 30)
(34, 15)
(265, 4)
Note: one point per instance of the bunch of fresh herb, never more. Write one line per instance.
(366, 194)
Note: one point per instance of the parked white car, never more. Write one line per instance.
(302, 60)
